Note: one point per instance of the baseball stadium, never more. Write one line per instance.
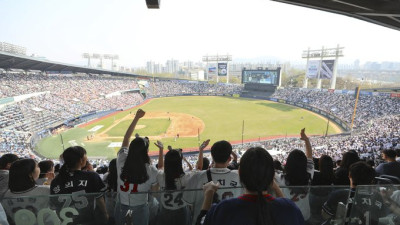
(183, 121)
(297, 124)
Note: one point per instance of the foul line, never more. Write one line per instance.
(112, 114)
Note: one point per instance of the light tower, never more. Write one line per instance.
(315, 67)
(87, 56)
(112, 58)
(98, 56)
(219, 59)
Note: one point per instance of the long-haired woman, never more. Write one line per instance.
(111, 177)
(72, 180)
(342, 173)
(173, 209)
(324, 176)
(298, 171)
(135, 175)
(256, 206)
(22, 182)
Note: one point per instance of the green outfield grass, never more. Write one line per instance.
(52, 147)
(223, 118)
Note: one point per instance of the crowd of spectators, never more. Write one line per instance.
(181, 87)
(342, 105)
(89, 87)
(15, 142)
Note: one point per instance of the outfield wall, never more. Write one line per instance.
(196, 94)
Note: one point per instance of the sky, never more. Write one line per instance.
(61, 30)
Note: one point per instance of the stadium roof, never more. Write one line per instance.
(382, 12)
(12, 61)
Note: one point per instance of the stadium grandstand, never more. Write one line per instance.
(351, 177)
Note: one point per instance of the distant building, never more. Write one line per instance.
(356, 64)
(13, 49)
(150, 67)
(158, 68)
(172, 66)
(372, 66)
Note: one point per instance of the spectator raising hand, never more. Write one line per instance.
(160, 147)
(304, 138)
(199, 165)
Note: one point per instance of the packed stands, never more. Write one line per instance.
(43, 102)
(342, 105)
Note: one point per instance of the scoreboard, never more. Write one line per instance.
(261, 76)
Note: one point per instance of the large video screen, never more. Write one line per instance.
(260, 76)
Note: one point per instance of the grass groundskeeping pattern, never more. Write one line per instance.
(215, 118)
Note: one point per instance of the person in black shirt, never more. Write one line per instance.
(71, 180)
(391, 166)
(323, 176)
(364, 208)
(342, 173)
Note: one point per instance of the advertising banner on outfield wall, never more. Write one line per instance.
(312, 69)
(222, 69)
(395, 95)
(327, 69)
(273, 99)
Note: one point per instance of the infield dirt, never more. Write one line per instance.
(181, 123)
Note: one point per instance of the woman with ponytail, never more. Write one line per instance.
(255, 206)
(171, 178)
(72, 180)
(135, 175)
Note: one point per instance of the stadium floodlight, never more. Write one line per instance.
(107, 56)
(216, 59)
(97, 56)
(87, 56)
(112, 58)
(320, 54)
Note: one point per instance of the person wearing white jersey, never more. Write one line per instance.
(173, 209)
(135, 175)
(221, 154)
(24, 196)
